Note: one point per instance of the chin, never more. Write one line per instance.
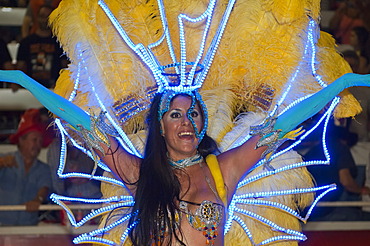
(189, 152)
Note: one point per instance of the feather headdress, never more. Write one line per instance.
(253, 56)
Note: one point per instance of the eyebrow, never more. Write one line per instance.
(178, 109)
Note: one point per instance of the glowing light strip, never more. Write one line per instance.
(60, 201)
(245, 228)
(111, 226)
(207, 14)
(238, 143)
(325, 149)
(128, 229)
(167, 33)
(271, 204)
(77, 80)
(272, 239)
(233, 204)
(63, 152)
(83, 175)
(330, 188)
(325, 116)
(139, 49)
(91, 200)
(310, 42)
(313, 41)
(296, 165)
(264, 194)
(86, 239)
(326, 188)
(129, 147)
(279, 170)
(292, 79)
(283, 238)
(295, 102)
(207, 62)
(231, 216)
(90, 237)
(95, 213)
(268, 222)
(98, 178)
(149, 59)
(157, 43)
(300, 164)
(306, 52)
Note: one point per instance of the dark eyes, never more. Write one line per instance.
(194, 114)
(175, 115)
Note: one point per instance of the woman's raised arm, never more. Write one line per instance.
(122, 164)
(236, 162)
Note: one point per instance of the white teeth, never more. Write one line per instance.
(185, 134)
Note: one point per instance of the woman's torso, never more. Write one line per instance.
(198, 186)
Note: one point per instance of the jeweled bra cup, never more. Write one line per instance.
(207, 218)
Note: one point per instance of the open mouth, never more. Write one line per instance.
(186, 135)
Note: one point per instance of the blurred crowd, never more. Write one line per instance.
(24, 179)
(38, 53)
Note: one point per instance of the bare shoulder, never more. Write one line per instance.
(124, 165)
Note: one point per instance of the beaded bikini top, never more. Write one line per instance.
(206, 218)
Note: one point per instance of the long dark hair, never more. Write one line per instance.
(158, 188)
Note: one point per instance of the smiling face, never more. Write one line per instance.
(177, 129)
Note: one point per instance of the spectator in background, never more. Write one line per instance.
(76, 161)
(353, 59)
(360, 125)
(22, 3)
(30, 21)
(5, 59)
(358, 40)
(342, 171)
(39, 54)
(23, 178)
(8, 3)
(347, 16)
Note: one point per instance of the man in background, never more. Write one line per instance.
(39, 54)
(24, 180)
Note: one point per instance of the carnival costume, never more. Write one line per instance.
(251, 64)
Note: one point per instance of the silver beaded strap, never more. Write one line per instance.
(269, 137)
(187, 162)
(98, 134)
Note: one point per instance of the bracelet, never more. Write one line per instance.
(271, 138)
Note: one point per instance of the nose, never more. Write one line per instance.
(185, 120)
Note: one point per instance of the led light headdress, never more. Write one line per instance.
(179, 77)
